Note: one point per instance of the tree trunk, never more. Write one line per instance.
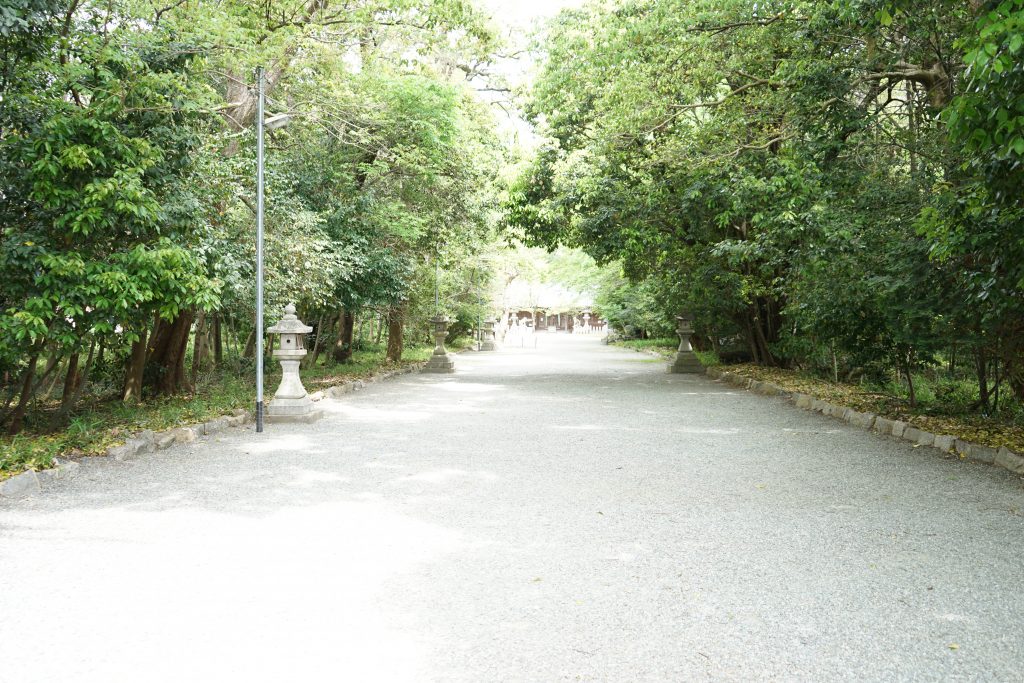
(346, 328)
(380, 329)
(51, 365)
(982, 370)
(136, 367)
(761, 323)
(396, 317)
(755, 349)
(18, 418)
(218, 341)
(318, 344)
(80, 378)
(907, 365)
(167, 353)
(199, 348)
(70, 380)
(250, 345)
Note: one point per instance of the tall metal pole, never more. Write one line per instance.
(259, 250)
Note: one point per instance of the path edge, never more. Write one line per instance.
(905, 431)
(149, 441)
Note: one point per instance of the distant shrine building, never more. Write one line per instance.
(565, 321)
(549, 308)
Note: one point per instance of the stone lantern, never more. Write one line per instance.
(441, 360)
(291, 403)
(686, 360)
(488, 342)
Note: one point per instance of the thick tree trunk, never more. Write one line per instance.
(167, 354)
(136, 367)
(70, 380)
(346, 328)
(396, 317)
(18, 418)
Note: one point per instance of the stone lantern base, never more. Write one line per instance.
(440, 362)
(291, 403)
(284, 414)
(686, 363)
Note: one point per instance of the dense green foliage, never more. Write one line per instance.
(833, 183)
(127, 151)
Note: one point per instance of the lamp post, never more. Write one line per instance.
(262, 123)
(259, 249)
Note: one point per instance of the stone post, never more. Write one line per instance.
(685, 361)
(291, 403)
(441, 361)
(488, 341)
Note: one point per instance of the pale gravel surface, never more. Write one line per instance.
(570, 513)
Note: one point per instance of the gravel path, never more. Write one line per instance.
(565, 513)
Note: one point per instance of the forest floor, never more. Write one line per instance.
(932, 415)
(565, 512)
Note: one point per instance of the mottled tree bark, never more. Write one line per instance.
(396, 318)
(218, 341)
(167, 355)
(346, 329)
(136, 367)
(70, 380)
(18, 418)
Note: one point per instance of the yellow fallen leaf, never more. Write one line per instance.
(954, 646)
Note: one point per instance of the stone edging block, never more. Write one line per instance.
(1002, 457)
(20, 485)
(1009, 460)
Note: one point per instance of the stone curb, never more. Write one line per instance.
(148, 441)
(965, 450)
